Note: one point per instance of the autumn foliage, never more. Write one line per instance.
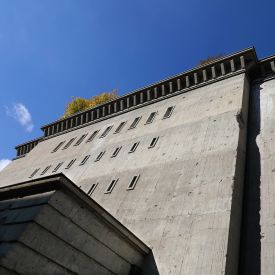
(79, 104)
(210, 59)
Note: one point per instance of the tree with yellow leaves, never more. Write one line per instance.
(79, 104)
(210, 59)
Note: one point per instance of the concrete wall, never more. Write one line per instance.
(265, 141)
(183, 204)
(52, 233)
(258, 245)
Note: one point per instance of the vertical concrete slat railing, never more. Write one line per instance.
(212, 71)
(23, 149)
(187, 82)
(272, 65)
(178, 84)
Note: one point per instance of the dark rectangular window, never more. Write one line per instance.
(68, 143)
(151, 118)
(134, 147)
(70, 163)
(133, 182)
(92, 136)
(80, 140)
(92, 189)
(153, 142)
(34, 172)
(120, 126)
(135, 122)
(45, 170)
(57, 167)
(168, 112)
(107, 130)
(100, 156)
(58, 146)
(116, 152)
(84, 160)
(111, 186)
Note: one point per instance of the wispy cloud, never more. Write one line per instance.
(4, 163)
(20, 113)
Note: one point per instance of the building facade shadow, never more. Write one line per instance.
(250, 247)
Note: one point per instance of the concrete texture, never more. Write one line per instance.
(204, 198)
(186, 204)
(61, 231)
(258, 244)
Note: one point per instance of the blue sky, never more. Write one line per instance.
(55, 49)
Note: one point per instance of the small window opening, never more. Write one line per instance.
(107, 130)
(133, 182)
(111, 186)
(153, 142)
(45, 170)
(92, 189)
(34, 172)
(70, 163)
(134, 147)
(57, 167)
(80, 140)
(115, 153)
(168, 112)
(100, 156)
(151, 118)
(84, 160)
(119, 128)
(68, 144)
(92, 136)
(58, 146)
(134, 123)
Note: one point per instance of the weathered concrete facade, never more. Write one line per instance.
(53, 228)
(176, 182)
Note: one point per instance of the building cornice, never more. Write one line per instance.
(26, 147)
(219, 69)
(202, 74)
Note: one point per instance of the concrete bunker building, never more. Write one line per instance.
(174, 178)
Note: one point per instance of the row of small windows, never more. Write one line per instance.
(131, 185)
(149, 120)
(100, 155)
(111, 186)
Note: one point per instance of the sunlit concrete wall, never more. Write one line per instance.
(187, 202)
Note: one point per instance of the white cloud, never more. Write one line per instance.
(4, 163)
(21, 114)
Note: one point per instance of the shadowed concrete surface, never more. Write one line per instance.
(50, 227)
(250, 258)
(203, 196)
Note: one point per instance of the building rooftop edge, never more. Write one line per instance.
(29, 141)
(194, 69)
(242, 61)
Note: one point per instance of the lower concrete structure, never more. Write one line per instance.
(49, 226)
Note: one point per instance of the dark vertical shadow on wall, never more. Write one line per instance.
(250, 249)
(149, 266)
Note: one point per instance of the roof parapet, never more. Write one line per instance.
(199, 76)
(265, 69)
(24, 148)
(239, 62)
